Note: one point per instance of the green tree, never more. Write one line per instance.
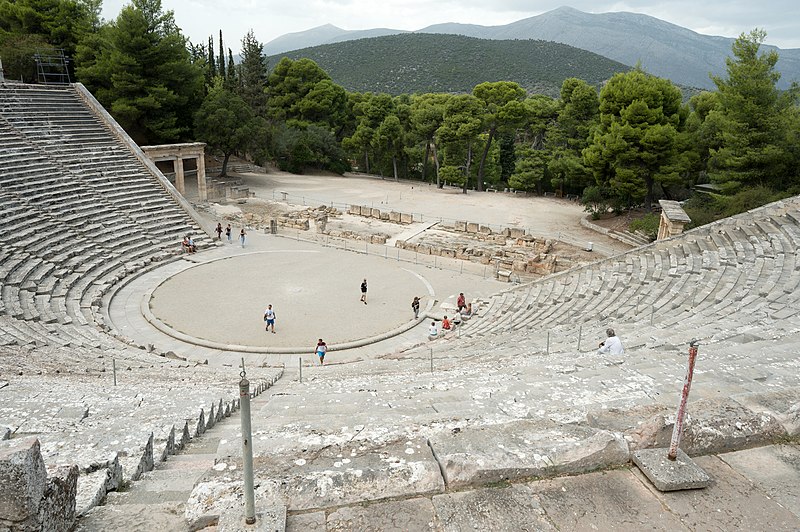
(756, 117)
(427, 115)
(30, 26)
(226, 123)
(502, 107)
(144, 75)
(389, 137)
(530, 156)
(290, 82)
(569, 133)
(634, 145)
(369, 111)
(253, 74)
(463, 122)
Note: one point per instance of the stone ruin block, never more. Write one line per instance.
(400, 244)
(519, 266)
(424, 249)
(506, 232)
(378, 239)
(462, 254)
(406, 218)
(354, 209)
(385, 216)
(449, 253)
(460, 226)
(22, 482)
(540, 268)
(485, 229)
(366, 211)
(394, 217)
(516, 232)
(28, 499)
(472, 227)
(57, 511)
(499, 239)
(485, 259)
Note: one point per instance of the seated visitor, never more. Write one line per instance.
(433, 332)
(612, 344)
(446, 324)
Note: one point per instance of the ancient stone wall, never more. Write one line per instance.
(392, 216)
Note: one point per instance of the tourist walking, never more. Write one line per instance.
(219, 231)
(322, 348)
(612, 344)
(415, 307)
(461, 303)
(228, 233)
(269, 319)
(241, 236)
(364, 291)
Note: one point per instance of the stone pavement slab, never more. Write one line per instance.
(476, 456)
(775, 470)
(607, 500)
(395, 516)
(731, 503)
(514, 508)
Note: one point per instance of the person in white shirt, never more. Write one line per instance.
(433, 332)
(612, 344)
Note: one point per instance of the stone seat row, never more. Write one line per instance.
(554, 300)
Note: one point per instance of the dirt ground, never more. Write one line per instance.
(549, 218)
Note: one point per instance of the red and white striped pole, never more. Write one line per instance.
(687, 385)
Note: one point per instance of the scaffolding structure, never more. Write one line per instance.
(52, 66)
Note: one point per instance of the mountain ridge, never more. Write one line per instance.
(660, 47)
(428, 62)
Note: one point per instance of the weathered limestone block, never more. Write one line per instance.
(462, 254)
(485, 259)
(406, 218)
(505, 232)
(784, 405)
(58, 509)
(472, 227)
(499, 239)
(394, 216)
(378, 239)
(23, 479)
(449, 253)
(519, 266)
(321, 223)
(424, 249)
(539, 268)
(355, 209)
(461, 227)
(515, 232)
(375, 213)
(336, 475)
(530, 448)
(485, 229)
(385, 216)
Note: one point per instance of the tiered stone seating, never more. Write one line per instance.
(746, 263)
(68, 400)
(78, 210)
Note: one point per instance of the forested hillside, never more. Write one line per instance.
(418, 63)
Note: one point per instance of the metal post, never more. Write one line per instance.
(462, 266)
(114, 369)
(687, 385)
(431, 360)
(366, 248)
(580, 333)
(652, 311)
(247, 448)
(345, 244)
(398, 254)
(300, 365)
(385, 252)
(548, 343)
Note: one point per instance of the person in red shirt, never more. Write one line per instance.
(461, 303)
(446, 324)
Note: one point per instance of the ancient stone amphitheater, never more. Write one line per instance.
(517, 394)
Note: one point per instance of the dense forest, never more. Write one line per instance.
(626, 145)
(424, 62)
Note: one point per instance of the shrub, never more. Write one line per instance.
(647, 224)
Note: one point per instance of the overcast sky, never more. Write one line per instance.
(272, 18)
